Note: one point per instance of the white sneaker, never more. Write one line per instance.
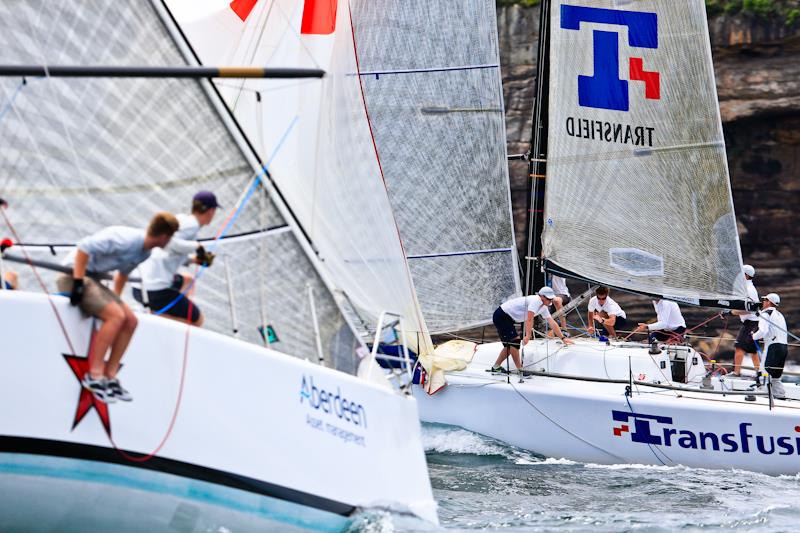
(117, 391)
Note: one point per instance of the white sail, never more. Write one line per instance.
(328, 170)
(638, 192)
(81, 154)
(431, 78)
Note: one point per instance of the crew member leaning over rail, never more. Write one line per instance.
(120, 249)
(669, 324)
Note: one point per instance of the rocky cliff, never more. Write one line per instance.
(757, 65)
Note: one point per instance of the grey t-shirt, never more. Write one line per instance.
(114, 248)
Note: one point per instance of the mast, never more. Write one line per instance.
(537, 159)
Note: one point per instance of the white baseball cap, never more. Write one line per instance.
(547, 292)
(774, 298)
(750, 271)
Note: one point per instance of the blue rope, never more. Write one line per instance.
(233, 218)
(11, 100)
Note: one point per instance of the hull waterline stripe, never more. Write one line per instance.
(160, 464)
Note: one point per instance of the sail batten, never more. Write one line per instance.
(638, 193)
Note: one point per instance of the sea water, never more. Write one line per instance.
(483, 484)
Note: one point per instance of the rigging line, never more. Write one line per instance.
(424, 70)
(630, 407)
(454, 254)
(11, 99)
(41, 282)
(562, 427)
(251, 51)
(231, 218)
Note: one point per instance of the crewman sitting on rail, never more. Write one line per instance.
(669, 325)
(744, 340)
(120, 249)
(606, 312)
(522, 309)
(562, 298)
(772, 329)
(165, 286)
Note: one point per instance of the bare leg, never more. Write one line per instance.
(610, 326)
(504, 355)
(121, 342)
(113, 317)
(756, 361)
(738, 357)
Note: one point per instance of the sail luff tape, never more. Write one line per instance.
(103, 71)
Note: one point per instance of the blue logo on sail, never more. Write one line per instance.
(604, 89)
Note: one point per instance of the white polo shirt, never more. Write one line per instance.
(158, 271)
(668, 316)
(752, 297)
(517, 308)
(609, 306)
(771, 328)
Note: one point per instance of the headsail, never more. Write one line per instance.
(328, 171)
(431, 78)
(80, 154)
(638, 193)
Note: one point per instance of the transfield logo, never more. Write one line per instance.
(660, 431)
(332, 404)
(604, 89)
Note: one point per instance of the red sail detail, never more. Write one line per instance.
(319, 17)
(652, 80)
(242, 8)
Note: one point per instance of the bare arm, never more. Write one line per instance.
(79, 268)
(590, 321)
(557, 330)
(119, 283)
(528, 327)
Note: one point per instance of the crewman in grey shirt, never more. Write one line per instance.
(120, 249)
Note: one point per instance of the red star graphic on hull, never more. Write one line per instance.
(86, 400)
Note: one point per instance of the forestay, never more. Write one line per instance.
(431, 79)
(80, 154)
(638, 192)
(328, 169)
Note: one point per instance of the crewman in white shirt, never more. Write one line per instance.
(522, 309)
(669, 324)
(606, 312)
(772, 329)
(160, 275)
(744, 340)
(562, 298)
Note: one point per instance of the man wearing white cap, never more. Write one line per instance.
(744, 340)
(772, 328)
(522, 309)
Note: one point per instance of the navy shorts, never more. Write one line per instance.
(506, 327)
(619, 324)
(744, 339)
(158, 300)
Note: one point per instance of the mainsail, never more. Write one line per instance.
(638, 192)
(81, 154)
(431, 78)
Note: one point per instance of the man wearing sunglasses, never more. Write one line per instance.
(606, 312)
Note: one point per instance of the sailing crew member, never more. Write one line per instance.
(562, 298)
(669, 324)
(606, 312)
(522, 309)
(772, 329)
(120, 249)
(159, 273)
(744, 340)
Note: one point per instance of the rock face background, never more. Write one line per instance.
(757, 64)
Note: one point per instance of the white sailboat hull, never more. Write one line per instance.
(593, 421)
(230, 413)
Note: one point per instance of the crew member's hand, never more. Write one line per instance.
(641, 327)
(76, 295)
(525, 340)
(591, 330)
(567, 341)
(204, 258)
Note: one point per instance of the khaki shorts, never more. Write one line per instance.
(96, 296)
